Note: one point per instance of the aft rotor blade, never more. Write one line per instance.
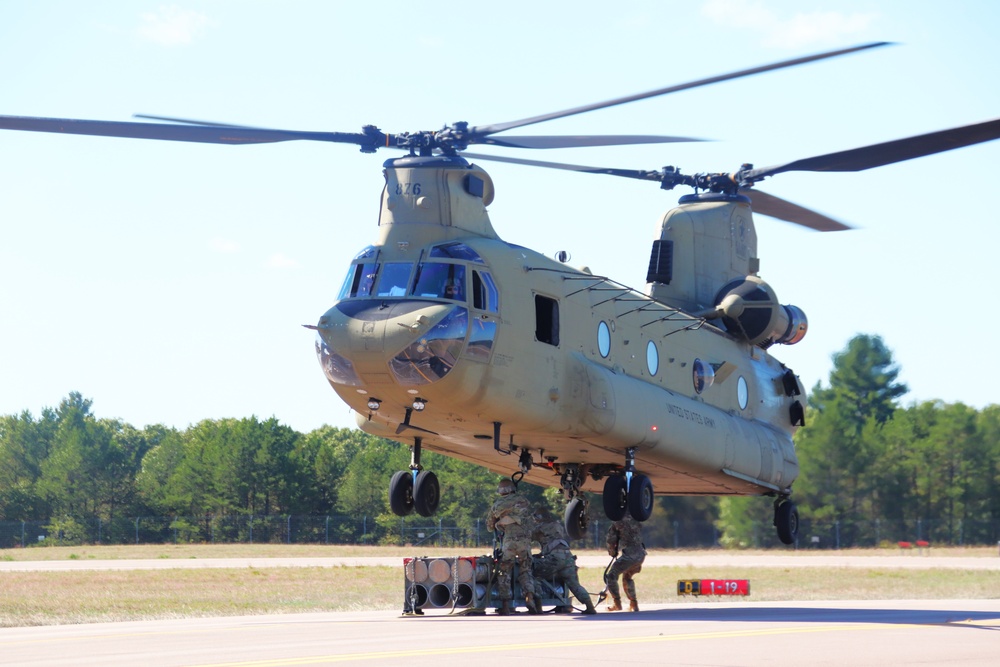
(212, 134)
(576, 141)
(500, 127)
(889, 152)
(766, 204)
(625, 173)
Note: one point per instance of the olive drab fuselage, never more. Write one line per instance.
(510, 352)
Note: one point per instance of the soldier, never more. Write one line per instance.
(511, 517)
(625, 536)
(555, 560)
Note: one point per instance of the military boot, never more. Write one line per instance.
(616, 605)
(633, 605)
(504, 609)
(590, 607)
(533, 603)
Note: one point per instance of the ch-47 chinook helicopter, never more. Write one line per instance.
(447, 338)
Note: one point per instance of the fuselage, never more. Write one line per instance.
(484, 349)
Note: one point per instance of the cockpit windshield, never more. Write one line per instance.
(395, 278)
(443, 281)
(443, 276)
(360, 280)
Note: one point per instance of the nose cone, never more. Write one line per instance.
(410, 342)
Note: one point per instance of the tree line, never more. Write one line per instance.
(871, 472)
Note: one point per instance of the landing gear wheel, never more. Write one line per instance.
(615, 500)
(786, 520)
(640, 497)
(576, 519)
(426, 493)
(401, 493)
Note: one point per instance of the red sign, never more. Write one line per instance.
(713, 587)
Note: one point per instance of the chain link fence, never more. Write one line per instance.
(420, 531)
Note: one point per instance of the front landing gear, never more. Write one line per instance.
(414, 489)
(786, 520)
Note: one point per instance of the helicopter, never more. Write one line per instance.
(449, 339)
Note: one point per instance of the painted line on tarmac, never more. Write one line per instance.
(576, 643)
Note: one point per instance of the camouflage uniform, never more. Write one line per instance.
(511, 515)
(625, 540)
(556, 561)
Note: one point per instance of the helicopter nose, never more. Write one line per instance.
(372, 342)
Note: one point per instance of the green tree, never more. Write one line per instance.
(165, 454)
(323, 456)
(66, 480)
(24, 447)
(837, 451)
(363, 487)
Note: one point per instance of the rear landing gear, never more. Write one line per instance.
(576, 520)
(786, 520)
(615, 498)
(640, 497)
(630, 493)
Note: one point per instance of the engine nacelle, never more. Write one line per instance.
(749, 309)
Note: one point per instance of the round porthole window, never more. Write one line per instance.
(703, 375)
(652, 358)
(742, 393)
(603, 339)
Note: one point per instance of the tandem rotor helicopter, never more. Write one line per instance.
(447, 338)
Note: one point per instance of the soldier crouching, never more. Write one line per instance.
(556, 561)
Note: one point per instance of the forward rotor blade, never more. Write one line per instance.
(766, 204)
(500, 127)
(188, 121)
(889, 152)
(212, 134)
(575, 141)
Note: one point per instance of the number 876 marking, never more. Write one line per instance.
(408, 188)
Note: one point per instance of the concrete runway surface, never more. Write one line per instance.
(882, 633)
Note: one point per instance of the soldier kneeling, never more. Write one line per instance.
(556, 561)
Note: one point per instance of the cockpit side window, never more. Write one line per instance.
(484, 292)
(439, 280)
(395, 277)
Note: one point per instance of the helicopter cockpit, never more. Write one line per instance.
(443, 304)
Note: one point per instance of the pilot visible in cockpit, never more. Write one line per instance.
(453, 290)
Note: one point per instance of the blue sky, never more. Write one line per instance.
(168, 281)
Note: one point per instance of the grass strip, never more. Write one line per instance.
(48, 598)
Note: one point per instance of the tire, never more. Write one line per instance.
(401, 493)
(640, 497)
(786, 520)
(575, 519)
(426, 493)
(615, 501)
